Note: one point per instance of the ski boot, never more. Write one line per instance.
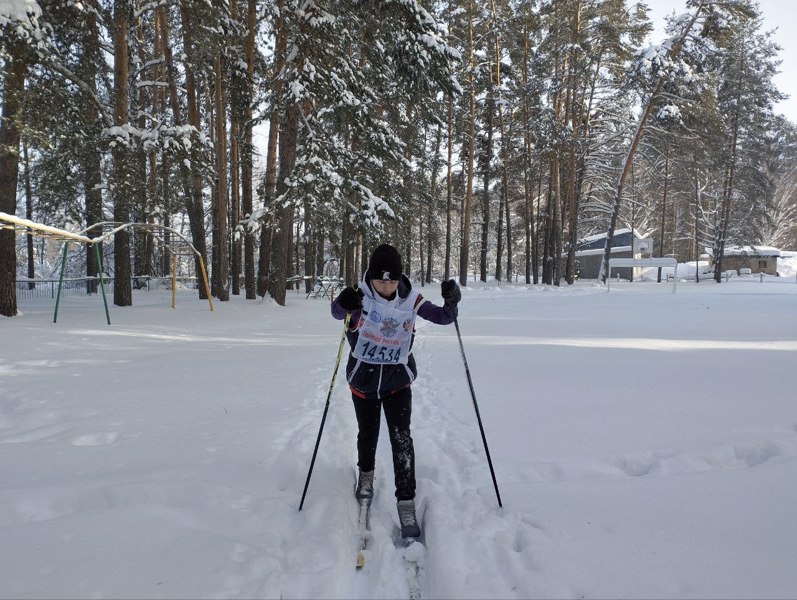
(409, 524)
(365, 486)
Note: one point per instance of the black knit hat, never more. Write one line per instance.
(385, 263)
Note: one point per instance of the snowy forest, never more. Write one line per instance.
(484, 139)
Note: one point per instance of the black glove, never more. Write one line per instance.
(451, 293)
(350, 299)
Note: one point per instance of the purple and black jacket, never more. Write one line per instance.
(381, 380)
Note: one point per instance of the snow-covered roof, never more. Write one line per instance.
(599, 251)
(600, 236)
(751, 251)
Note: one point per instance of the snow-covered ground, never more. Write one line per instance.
(645, 445)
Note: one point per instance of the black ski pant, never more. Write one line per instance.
(398, 412)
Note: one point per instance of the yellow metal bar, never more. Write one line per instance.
(205, 279)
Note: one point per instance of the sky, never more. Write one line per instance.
(777, 16)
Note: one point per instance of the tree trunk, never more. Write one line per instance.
(536, 232)
(552, 256)
(267, 232)
(531, 259)
(464, 252)
(572, 215)
(281, 247)
(247, 203)
(505, 142)
(430, 212)
(695, 239)
(528, 205)
(553, 225)
(196, 205)
(348, 251)
(310, 239)
(504, 202)
(13, 90)
(143, 194)
(221, 262)
(92, 167)
(664, 205)
(235, 206)
(29, 216)
(572, 123)
(547, 274)
(487, 159)
(555, 248)
(122, 284)
(725, 211)
(421, 246)
(319, 257)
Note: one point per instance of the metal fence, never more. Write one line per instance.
(76, 286)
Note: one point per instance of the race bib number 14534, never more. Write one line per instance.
(385, 336)
(380, 354)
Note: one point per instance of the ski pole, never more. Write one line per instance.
(326, 406)
(478, 416)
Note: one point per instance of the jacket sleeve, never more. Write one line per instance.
(442, 315)
(340, 314)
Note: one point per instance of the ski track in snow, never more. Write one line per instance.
(474, 547)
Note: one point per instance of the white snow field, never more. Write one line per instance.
(644, 442)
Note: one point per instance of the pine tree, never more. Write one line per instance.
(21, 36)
(349, 76)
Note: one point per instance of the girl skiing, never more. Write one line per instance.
(381, 368)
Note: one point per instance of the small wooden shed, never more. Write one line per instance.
(759, 259)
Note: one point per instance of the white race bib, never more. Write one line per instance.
(385, 335)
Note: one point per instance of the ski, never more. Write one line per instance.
(363, 531)
(413, 552)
